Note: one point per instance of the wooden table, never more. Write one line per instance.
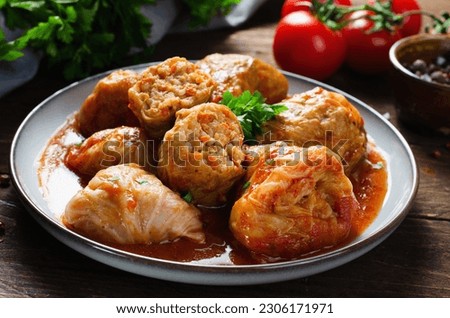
(413, 262)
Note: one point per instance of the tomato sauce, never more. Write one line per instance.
(59, 184)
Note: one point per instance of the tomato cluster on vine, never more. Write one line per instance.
(315, 37)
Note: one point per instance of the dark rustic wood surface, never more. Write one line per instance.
(413, 262)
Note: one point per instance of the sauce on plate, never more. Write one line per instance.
(59, 184)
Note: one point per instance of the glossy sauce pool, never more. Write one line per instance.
(59, 184)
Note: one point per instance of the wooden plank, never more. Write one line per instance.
(413, 262)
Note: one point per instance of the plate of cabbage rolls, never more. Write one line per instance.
(221, 171)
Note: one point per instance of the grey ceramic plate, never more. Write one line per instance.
(48, 116)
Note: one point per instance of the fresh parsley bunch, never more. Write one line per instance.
(252, 111)
(84, 36)
(79, 35)
(202, 11)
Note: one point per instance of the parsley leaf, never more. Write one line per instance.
(141, 182)
(114, 178)
(81, 37)
(202, 11)
(188, 197)
(246, 185)
(377, 166)
(251, 111)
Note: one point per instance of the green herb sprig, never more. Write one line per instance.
(201, 11)
(252, 111)
(81, 37)
(188, 197)
(246, 185)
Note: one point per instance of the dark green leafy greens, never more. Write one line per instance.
(246, 185)
(84, 36)
(202, 10)
(252, 111)
(80, 35)
(188, 197)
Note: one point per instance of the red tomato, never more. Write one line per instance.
(302, 5)
(411, 24)
(303, 45)
(367, 52)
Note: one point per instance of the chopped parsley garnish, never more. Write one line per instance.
(142, 181)
(188, 197)
(252, 111)
(114, 178)
(201, 11)
(246, 185)
(379, 165)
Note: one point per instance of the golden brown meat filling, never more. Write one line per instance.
(166, 88)
(202, 153)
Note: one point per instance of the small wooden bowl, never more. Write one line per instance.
(424, 106)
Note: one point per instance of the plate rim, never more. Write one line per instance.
(61, 233)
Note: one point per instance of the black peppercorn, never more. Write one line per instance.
(437, 70)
